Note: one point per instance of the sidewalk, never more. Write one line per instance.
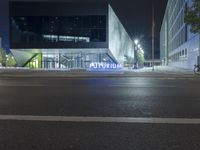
(160, 72)
(163, 69)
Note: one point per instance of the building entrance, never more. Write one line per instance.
(73, 60)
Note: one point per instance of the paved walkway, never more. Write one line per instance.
(160, 71)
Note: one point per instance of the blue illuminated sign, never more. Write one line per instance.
(97, 65)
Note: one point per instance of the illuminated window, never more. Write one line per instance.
(40, 29)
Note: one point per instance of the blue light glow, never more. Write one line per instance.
(104, 66)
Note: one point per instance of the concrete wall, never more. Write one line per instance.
(192, 46)
(23, 56)
(164, 41)
(120, 44)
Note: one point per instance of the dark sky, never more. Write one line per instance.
(135, 15)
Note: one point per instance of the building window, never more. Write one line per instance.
(182, 52)
(186, 52)
(40, 29)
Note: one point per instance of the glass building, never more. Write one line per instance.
(68, 36)
(178, 46)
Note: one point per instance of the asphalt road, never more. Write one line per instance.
(125, 97)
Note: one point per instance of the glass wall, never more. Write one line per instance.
(47, 29)
(73, 60)
(50, 61)
(35, 61)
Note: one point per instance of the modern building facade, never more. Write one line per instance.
(178, 46)
(63, 35)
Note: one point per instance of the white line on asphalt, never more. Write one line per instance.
(142, 86)
(22, 85)
(101, 119)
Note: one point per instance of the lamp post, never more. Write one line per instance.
(136, 42)
(135, 50)
(153, 34)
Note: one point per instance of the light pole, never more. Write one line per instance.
(136, 42)
(153, 32)
(198, 59)
(135, 50)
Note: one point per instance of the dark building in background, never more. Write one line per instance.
(61, 35)
(0, 42)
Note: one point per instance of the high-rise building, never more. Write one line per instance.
(178, 46)
(67, 35)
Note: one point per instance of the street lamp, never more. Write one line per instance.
(142, 51)
(153, 35)
(136, 42)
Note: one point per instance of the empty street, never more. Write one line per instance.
(110, 113)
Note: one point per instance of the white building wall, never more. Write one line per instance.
(190, 60)
(182, 45)
(163, 43)
(22, 56)
(120, 44)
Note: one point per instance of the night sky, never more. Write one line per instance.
(135, 15)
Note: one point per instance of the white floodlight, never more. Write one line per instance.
(136, 42)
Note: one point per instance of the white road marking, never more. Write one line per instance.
(142, 86)
(101, 119)
(22, 85)
(132, 84)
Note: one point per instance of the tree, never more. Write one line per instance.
(6, 60)
(2, 57)
(140, 58)
(10, 61)
(192, 16)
